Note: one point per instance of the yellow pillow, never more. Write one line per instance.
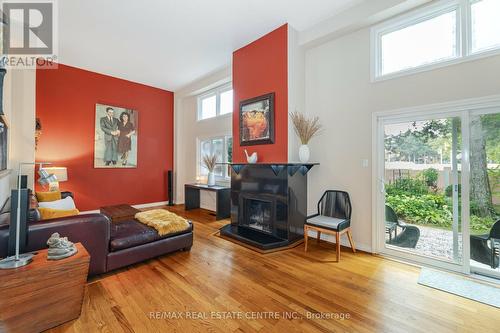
(49, 213)
(48, 196)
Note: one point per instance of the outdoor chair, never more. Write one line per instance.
(407, 238)
(333, 217)
(486, 248)
(392, 222)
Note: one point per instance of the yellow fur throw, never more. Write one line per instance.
(163, 221)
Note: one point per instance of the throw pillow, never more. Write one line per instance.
(48, 196)
(49, 213)
(64, 204)
(33, 200)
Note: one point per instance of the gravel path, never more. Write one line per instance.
(439, 243)
(436, 242)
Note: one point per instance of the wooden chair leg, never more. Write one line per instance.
(337, 237)
(349, 235)
(305, 238)
(318, 236)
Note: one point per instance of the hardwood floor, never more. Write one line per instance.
(221, 278)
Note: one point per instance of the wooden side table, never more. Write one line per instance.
(43, 294)
(119, 213)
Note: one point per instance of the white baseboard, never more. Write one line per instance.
(343, 241)
(152, 204)
(139, 206)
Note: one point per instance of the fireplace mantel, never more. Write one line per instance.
(277, 167)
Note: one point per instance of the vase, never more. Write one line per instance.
(211, 179)
(304, 153)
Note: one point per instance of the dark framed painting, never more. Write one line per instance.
(115, 137)
(257, 120)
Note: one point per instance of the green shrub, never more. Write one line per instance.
(480, 225)
(407, 186)
(434, 209)
(424, 209)
(448, 191)
(430, 177)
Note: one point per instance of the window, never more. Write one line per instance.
(226, 102)
(222, 147)
(216, 102)
(485, 25)
(433, 36)
(208, 107)
(423, 43)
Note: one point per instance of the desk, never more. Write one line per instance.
(223, 198)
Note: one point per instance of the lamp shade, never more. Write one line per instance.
(61, 173)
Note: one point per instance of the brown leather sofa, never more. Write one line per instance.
(110, 245)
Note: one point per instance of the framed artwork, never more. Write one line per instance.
(115, 137)
(257, 120)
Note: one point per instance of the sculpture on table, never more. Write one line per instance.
(252, 159)
(60, 247)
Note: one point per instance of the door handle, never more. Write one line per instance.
(382, 185)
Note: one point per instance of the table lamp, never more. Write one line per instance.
(60, 173)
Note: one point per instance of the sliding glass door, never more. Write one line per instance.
(421, 188)
(438, 187)
(484, 187)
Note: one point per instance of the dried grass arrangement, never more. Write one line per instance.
(210, 161)
(306, 128)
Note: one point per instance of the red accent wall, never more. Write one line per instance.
(259, 68)
(65, 104)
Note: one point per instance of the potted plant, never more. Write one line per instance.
(306, 129)
(210, 161)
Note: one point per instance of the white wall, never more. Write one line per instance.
(5, 185)
(22, 139)
(296, 89)
(19, 107)
(188, 130)
(339, 91)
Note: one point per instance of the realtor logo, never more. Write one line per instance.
(28, 32)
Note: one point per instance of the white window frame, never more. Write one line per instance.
(464, 37)
(213, 92)
(461, 108)
(226, 176)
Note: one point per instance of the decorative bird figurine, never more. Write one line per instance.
(252, 159)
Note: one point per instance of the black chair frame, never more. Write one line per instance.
(344, 227)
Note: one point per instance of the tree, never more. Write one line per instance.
(480, 186)
(491, 130)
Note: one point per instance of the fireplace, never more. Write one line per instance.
(268, 204)
(258, 214)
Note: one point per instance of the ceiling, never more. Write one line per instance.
(170, 43)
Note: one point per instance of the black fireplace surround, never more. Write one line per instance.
(268, 204)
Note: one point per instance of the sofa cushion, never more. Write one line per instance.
(48, 196)
(4, 219)
(131, 233)
(64, 204)
(49, 213)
